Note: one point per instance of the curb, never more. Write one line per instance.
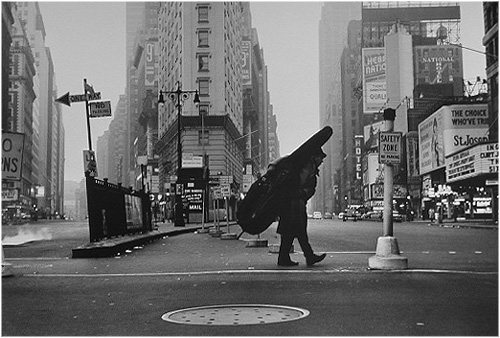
(111, 247)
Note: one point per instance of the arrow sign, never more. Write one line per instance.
(67, 99)
(64, 99)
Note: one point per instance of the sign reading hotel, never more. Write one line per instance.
(374, 80)
(477, 160)
(437, 64)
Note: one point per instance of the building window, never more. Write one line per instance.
(204, 109)
(203, 38)
(202, 13)
(203, 87)
(203, 137)
(203, 62)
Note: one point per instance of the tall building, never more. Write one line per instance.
(47, 125)
(18, 117)
(490, 42)
(200, 49)
(333, 27)
(260, 138)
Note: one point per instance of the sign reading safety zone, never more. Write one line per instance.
(389, 147)
(12, 155)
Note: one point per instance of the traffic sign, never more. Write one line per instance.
(81, 97)
(389, 147)
(225, 190)
(12, 155)
(100, 109)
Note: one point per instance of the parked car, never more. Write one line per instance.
(317, 215)
(396, 216)
(328, 215)
(352, 213)
(341, 215)
(375, 215)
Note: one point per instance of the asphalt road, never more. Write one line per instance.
(450, 288)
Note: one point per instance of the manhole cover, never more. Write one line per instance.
(239, 314)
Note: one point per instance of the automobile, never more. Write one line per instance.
(317, 215)
(396, 216)
(328, 215)
(352, 213)
(373, 215)
(310, 216)
(341, 215)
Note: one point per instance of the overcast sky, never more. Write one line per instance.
(87, 40)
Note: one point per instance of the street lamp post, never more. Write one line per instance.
(178, 97)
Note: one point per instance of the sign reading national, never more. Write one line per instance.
(389, 147)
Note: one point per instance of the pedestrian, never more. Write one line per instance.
(292, 210)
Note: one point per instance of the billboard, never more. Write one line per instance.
(430, 141)
(12, 155)
(246, 62)
(449, 130)
(370, 133)
(437, 64)
(374, 80)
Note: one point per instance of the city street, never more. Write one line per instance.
(450, 288)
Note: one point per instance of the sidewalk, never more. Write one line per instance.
(111, 246)
(463, 223)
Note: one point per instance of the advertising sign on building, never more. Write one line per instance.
(374, 80)
(9, 195)
(438, 64)
(90, 163)
(477, 160)
(150, 69)
(371, 134)
(246, 62)
(12, 155)
(449, 130)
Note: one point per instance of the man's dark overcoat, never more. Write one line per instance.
(292, 207)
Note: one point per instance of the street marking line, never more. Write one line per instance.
(241, 272)
(36, 259)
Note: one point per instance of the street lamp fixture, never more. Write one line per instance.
(178, 97)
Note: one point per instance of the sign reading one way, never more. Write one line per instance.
(389, 147)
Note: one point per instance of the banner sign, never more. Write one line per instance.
(12, 155)
(10, 195)
(246, 62)
(374, 80)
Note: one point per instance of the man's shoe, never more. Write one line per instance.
(315, 259)
(287, 263)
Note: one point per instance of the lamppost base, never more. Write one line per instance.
(387, 256)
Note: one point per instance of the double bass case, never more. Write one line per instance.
(258, 210)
